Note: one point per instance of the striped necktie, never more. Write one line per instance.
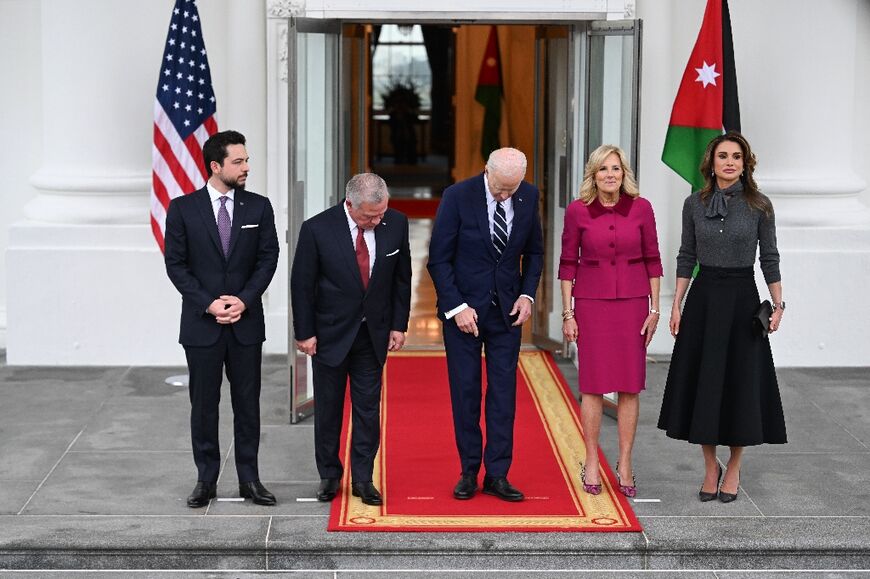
(499, 229)
(499, 233)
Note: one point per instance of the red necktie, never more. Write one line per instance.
(362, 257)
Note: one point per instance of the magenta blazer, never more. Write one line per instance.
(610, 252)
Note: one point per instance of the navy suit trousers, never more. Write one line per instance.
(502, 346)
(206, 366)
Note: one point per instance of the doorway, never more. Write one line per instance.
(360, 99)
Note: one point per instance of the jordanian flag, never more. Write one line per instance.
(489, 92)
(707, 100)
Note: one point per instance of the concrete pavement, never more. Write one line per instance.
(95, 467)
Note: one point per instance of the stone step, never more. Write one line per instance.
(254, 543)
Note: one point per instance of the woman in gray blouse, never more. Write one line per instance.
(721, 387)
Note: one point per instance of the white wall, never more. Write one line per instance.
(825, 267)
(20, 121)
(803, 81)
(88, 283)
(861, 144)
(668, 36)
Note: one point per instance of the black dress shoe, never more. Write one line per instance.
(327, 490)
(202, 493)
(256, 491)
(465, 488)
(368, 493)
(501, 488)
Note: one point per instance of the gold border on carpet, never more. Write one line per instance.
(563, 429)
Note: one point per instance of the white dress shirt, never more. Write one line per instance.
(491, 204)
(216, 200)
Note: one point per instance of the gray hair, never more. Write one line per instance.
(366, 188)
(507, 161)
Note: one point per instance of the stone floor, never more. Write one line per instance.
(95, 467)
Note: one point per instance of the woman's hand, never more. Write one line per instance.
(775, 319)
(675, 321)
(569, 329)
(649, 327)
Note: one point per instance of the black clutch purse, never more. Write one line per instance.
(761, 319)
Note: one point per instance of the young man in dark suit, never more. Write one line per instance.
(221, 251)
(351, 296)
(485, 257)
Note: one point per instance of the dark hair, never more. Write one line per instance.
(215, 148)
(750, 189)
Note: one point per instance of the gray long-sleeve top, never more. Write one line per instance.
(729, 241)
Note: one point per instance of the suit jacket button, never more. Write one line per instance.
(612, 228)
(612, 262)
(612, 244)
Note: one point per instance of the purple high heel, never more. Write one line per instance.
(591, 489)
(628, 490)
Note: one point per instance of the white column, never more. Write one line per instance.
(97, 81)
(86, 279)
(21, 124)
(798, 109)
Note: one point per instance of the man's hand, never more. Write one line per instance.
(308, 346)
(227, 309)
(234, 307)
(467, 321)
(522, 309)
(219, 309)
(397, 340)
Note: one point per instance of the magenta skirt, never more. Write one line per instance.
(611, 350)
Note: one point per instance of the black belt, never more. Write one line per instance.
(726, 272)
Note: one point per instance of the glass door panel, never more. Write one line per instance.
(316, 157)
(613, 86)
(554, 102)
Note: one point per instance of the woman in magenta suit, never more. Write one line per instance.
(610, 269)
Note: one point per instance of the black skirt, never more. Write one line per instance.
(721, 386)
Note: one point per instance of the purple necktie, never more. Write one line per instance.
(224, 225)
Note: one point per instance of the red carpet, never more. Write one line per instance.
(415, 208)
(417, 465)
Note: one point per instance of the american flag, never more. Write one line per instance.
(184, 115)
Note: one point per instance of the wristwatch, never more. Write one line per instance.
(779, 305)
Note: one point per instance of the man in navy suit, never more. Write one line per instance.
(351, 296)
(221, 251)
(485, 257)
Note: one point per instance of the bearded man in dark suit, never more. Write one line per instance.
(221, 251)
(351, 296)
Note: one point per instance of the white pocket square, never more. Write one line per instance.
(251, 226)
(392, 253)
